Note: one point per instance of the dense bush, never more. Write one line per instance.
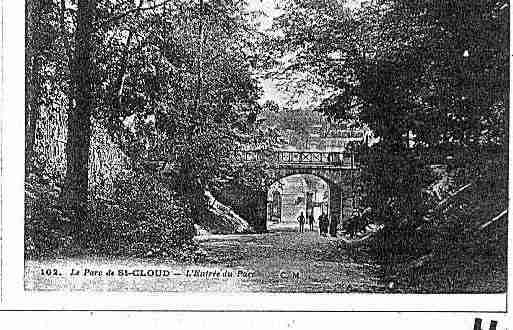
(357, 223)
(47, 229)
(453, 227)
(142, 219)
(396, 245)
(394, 180)
(463, 256)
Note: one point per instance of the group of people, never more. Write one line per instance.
(324, 224)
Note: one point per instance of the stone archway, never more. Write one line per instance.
(313, 191)
(341, 183)
(338, 169)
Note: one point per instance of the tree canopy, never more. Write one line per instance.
(438, 70)
(429, 78)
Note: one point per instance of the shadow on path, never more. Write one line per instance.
(284, 260)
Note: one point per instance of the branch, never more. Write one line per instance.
(131, 11)
(199, 84)
(451, 196)
(503, 213)
(427, 258)
(62, 23)
(120, 81)
(439, 206)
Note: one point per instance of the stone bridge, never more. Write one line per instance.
(340, 170)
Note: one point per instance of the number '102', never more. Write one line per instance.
(49, 272)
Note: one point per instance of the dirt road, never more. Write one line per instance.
(288, 261)
(280, 261)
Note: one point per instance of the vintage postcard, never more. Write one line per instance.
(331, 155)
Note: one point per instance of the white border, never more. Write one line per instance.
(12, 233)
(256, 302)
(251, 321)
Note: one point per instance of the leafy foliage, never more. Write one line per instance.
(187, 99)
(425, 76)
(143, 220)
(146, 220)
(293, 125)
(171, 81)
(437, 70)
(47, 232)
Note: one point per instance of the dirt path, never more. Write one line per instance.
(288, 261)
(279, 261)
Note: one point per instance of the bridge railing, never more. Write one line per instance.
(320, 158)
(282, 158)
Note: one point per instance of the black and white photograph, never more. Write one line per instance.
(266, 146)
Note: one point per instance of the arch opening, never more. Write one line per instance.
(294, 194)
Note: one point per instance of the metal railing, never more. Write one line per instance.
(318, 158)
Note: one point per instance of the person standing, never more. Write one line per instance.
(301, 220)
(333, 226)
(323, 226)
(311, 221)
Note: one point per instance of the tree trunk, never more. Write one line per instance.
(123, 68)
(68, 52)
(79, 117)
(34, 10)
(199, 83)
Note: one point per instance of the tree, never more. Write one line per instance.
(428, 77)
(79, 116)
(39, 38)
(184, 98)
(135, 68)
(426, 67)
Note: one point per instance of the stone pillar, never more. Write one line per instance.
(259, 212)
